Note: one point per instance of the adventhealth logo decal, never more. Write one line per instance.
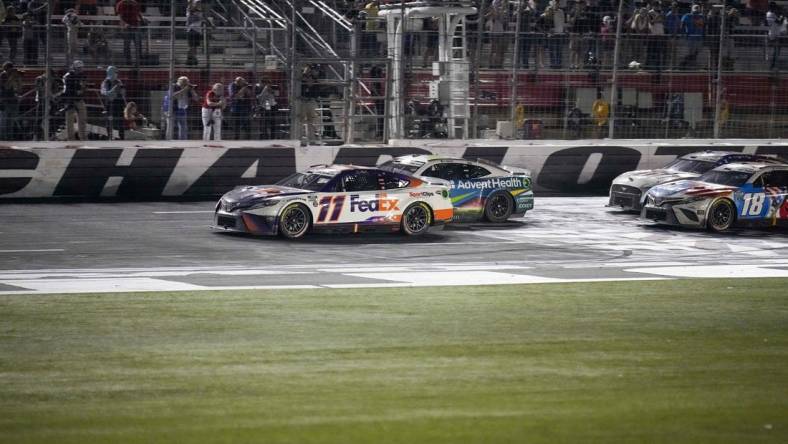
(497, 182)
(381, 203)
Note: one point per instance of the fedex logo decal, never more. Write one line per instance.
(381, 203)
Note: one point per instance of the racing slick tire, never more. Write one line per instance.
(722, 215)
(416, 219)
(499, 207)
(294, 221)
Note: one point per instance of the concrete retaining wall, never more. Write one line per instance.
(170, 170)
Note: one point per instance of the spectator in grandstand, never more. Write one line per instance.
(194, 25)
(307, 112)
(580, 23)
(37, 9)
(113, 94)
(183, 94)
(73, 100)
(72, 23)
(729, 43)
(776, 29)
(525, 34)
(2, 11)
(87, 7)
(98, 46)
(133, 117)
(241, 107)
(607, 41)
(693, 26)
(637, 32)
(370, 45)
(672, 29)
(267, 107)
(11, 30)
(656, 50)
(556, 21)
(10, 86)
(497, 19)
(600, 112)
(130, 14)
(29, 40)
(541, 42)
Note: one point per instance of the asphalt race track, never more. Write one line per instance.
(63, 248)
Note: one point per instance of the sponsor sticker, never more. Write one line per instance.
(493, 183)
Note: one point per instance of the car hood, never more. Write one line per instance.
(247, 196)
(684, 189)
(645, 179)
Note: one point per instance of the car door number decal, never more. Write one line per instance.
(327, 202)
(753, 204)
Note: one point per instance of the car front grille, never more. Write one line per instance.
(656, 214)
(225, 221)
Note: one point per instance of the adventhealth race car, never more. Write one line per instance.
(336, 198)
(479, 189)
(736, 194)
(629, 189)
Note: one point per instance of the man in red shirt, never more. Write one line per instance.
(130, 14)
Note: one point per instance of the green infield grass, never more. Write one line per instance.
(682, 361)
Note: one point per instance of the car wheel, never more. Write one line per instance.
(294, 221)
(499, 207)
(722, 215)
(416, 219)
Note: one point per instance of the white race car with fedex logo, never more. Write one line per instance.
(337, 198)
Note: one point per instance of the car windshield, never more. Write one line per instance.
(690, 166)
(399, 167)
(306, 181)
(730, 178)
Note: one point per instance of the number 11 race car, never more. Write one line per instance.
(336, 198)
(730, 195)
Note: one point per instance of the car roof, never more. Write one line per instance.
(334, 169)
(419, 159)
(710, 156)
(753, 167)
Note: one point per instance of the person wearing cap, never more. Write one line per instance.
(183, 94)
(693, 26)
(72, 23)
(73, 98)
(607, 39)
(10, 86)
(212, 108)
(114, 95)
(241, 107)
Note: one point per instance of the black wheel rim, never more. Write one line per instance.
(416, 219)
(499, 207)
(721, 216)
(294, 220)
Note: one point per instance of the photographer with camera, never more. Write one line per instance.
(212, 108)
(183, 93)
(114, 95)
(241, 107)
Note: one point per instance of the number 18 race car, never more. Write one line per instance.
(730, 195)
(479, 189)
(336, 198)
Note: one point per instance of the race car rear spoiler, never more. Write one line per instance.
(515, 171)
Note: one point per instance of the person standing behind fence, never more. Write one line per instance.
(672, 29)
(776, 29)
(241, 107)
(72, 23)
(114, 95)
(194, 26)
(267, 106)
(130, 14)
(600, 111)
(29, 40)
(212, 108)
(11, 30)
(41, 99)
(497, 19)
(10, 84)
(556, 21)
(183, 93)
(693, 25)
(73, 99)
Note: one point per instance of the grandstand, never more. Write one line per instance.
(345, 71)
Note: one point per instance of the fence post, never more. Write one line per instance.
(476, 65)
(611, 129)
(515, 64)
(293, 73)
(170, 91)
(717, 105)
(48, 72)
